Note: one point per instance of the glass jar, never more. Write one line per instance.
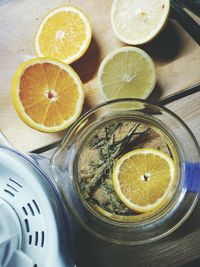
(64, 167)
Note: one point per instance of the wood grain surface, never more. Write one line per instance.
(174, 51)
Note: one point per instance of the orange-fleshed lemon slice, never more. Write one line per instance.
(65, 33)
(136, 22)
(47, 94)
(144, 178)
(127, 72)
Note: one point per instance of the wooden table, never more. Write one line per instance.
(177, 59)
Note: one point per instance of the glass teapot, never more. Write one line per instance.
(64, 167)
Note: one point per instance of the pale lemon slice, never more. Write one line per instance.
(144, 178)
(138, 21)
(127, 72)
(47, 94)
(65, 33)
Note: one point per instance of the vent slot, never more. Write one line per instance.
(36, 206)
(34, 209)
(25, 211)
(42, 241)
(36, 239)
(27, 225)
(30, 239)
(13, 188)
(31, 209)
(9, 192)
(15, 182)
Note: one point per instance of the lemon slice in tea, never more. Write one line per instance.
(144, 178)
(127, 72)
(136, 22)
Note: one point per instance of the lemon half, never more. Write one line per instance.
(127, 72)
(136, 22)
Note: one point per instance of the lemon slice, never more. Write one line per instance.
(144, 178)
(137, 22)
(65, 33)
(127, 72)
(47, 94)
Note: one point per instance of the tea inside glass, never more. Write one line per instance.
(133, 132)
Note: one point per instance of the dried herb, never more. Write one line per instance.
(106, 145)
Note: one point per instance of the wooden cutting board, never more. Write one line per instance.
(174, 51)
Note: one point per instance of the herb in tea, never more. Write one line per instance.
(102, 149)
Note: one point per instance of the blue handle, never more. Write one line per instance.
(192, 176)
